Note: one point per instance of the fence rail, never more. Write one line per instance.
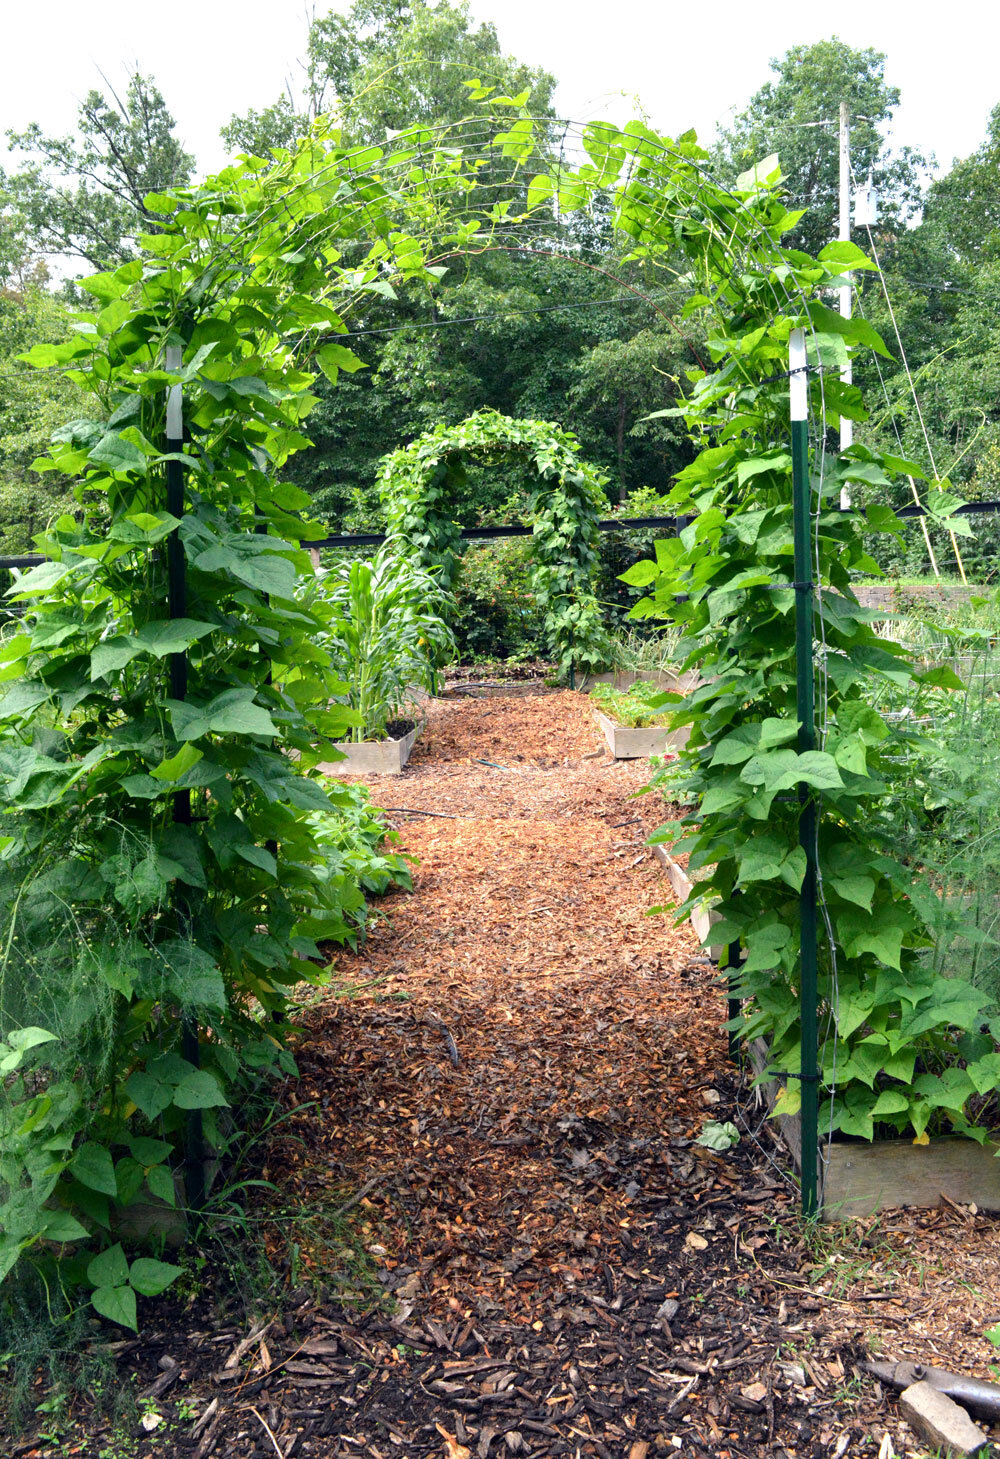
(518, 529)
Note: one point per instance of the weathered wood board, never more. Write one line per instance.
(702, 918)
(372, 757)
(859, 1179)
(623, 679)
(638, 744)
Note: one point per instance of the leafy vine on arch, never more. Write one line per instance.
(417, 484)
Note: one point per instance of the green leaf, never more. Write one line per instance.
(232, 712)
(109, 1268)
(160, 1181)
(118, 1304)
(105, 286)
(199, 1090)
(784, 769)
(63, 1226)
(150, 1277)
(118, 454)
(93, 1167)
(177, 765)
(890, 1102)
(39, 579)
(540, 189)
(858, 889)
(149, 1094)
(171, 636)
(847, 255)
(159, 638)
(769, 461)
(129, 1174)
(111, 655)
(775, 732)
(940, 677)
(149, 1151)
(719, 1136)
(765, 946)
(640, 574)
(850, 755)
(30, 1038)
(789, 1100)
(818, 769)
(737, 747)
(258, 856)
(763, 173)
(332, 358)
(250, 563)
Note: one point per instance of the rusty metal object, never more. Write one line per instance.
(975, 1394)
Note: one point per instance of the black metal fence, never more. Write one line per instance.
(622, 525)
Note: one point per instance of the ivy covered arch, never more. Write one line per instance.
(419, 486)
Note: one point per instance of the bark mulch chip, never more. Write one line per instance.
(506, 1088)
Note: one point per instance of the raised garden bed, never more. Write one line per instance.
(859, 1179)
(639, 741)
(638, 744)
(682, 886)
(375, 757)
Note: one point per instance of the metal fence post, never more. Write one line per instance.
(804, 604)
(194, 1135)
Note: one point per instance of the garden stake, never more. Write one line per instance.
(194, 1153)
(804, 599)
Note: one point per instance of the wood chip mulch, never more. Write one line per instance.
(510, 1077)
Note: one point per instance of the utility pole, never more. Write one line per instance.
(844, 234)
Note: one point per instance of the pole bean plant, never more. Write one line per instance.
(148, 958)
(418, 488)
(904, 1049)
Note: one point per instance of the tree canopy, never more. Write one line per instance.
(85, 196)
(388, 64)
(797, 115)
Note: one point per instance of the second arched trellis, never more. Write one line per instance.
(418, 485)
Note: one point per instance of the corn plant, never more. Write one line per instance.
(387, 635)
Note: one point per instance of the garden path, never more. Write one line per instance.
(514, 1073)
(495, 1128)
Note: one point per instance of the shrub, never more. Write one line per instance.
(497, 615)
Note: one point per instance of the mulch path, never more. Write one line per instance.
(510, 1076)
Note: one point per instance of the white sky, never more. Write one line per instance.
(689, 64)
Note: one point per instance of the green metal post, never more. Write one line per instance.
(194, 1136)
(804, 606)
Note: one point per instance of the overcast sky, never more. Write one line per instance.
(689, 65)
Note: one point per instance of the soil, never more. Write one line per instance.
(498, 1111)
(398, 729)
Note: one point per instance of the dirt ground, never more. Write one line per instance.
(500, 1097)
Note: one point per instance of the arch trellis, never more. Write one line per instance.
(418, 485)
(254, 280)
